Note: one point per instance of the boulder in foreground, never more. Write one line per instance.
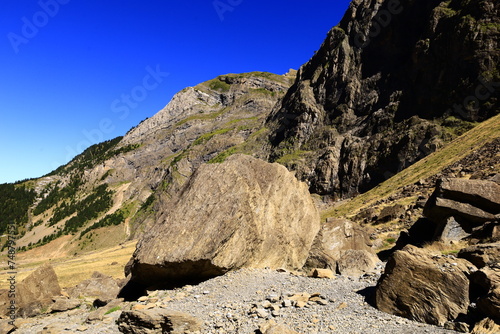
(242, 213)
(37, 291)
(424, 287)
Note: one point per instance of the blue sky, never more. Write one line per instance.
(77, 72)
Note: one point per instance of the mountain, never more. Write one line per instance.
(111, 185)
(385, 89)
(394, 82)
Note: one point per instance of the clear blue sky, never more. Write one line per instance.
(67, 66)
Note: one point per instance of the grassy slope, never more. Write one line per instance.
(430, 165)
(71, 270)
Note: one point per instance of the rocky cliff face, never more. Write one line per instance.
(375, 97)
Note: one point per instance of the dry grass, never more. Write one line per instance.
(73, 269)
(430, 165)
(445, 248)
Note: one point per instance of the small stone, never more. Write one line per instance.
(301, 304)
(275, 313)
(143, 299)
(261, 313)
(322, 273)
(342, 306)
(273, 298)
(266, 304)
(287, 303)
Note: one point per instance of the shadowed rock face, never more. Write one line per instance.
(362, 108)
(242, 213)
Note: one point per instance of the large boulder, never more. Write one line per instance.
(241, 213)
(470, 202)
(482, 194)
(424, 287)
(334, 238)
(37, 291)
(355, 262)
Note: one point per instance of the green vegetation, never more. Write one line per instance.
(114, 309)
(207, 136)
(97, 202)
(287, 158)
(454, 127)
(14, 204)
(219, 85)
(58, 194)
(234, 121)
(150, 201)
(202, 117)
(113, 219)
(224, 155)
(92, 156)
(264, 91)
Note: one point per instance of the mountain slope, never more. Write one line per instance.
(111, 185)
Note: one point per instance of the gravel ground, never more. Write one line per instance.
(228, 304)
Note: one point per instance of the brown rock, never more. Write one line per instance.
(475, 201)
(242, 213)
(482, 255)
(98, 286)
(391, 212)
(422, 287)
(271, 327)
(443, 208)
(482, 194)
(322, 273)
(64, 304)
(99, 314)
(335, 237)
(486, 326)
(37, 291)
(157, 321)
(485, 284)
(356, 262)
(6, 328)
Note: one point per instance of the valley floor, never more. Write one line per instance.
(225, 304)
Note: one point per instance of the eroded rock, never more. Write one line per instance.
(157, 321)
(242, 213)
(334, 238)
(355, 262)
(422, 287)
(37, 291)
(98, 286)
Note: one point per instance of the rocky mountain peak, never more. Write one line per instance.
(372, 100)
